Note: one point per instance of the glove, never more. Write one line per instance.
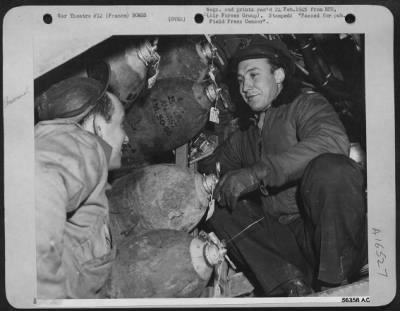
(234, 184)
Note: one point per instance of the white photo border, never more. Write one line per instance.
(23, 32)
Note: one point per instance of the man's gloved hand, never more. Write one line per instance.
(235, 184)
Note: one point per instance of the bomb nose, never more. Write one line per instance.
(209, 183)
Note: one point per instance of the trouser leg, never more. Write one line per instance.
(333, 195)
(267, 252)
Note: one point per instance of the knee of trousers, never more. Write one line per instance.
(334, 171)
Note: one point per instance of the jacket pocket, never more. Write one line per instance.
(95, 275)
(97, 243)
(94, 258)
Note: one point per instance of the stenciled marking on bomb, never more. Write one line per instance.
(172, 114)
(169, 119)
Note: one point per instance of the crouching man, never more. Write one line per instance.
(288, 175)
(78, 141)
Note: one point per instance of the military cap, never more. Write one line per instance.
(272, 49)
(72, 98)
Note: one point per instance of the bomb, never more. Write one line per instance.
(180, 57)
(173, 113)
(164, 264)
(160, 196)
(129, 66)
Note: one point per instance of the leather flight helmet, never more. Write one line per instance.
(73, 98)
(272, 49)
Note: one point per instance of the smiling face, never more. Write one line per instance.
(259, 84)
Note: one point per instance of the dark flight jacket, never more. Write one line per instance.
(292, 135)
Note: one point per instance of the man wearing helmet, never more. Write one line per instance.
(78, 140)
(288, 175)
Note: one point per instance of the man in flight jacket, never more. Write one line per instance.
(290, 171)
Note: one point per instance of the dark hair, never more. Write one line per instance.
(291, 88)
(274, 64)
(104, 108)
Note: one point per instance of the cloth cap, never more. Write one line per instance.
(72, 98)
(271, 49)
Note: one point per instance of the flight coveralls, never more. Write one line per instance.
(312, 198)
(73, 241)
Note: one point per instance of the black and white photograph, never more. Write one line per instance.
(227, 166)
(238, 136)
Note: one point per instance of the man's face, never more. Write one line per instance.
(258, 84)
(113, 132)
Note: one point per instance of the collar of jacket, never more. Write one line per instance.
(105, 146)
